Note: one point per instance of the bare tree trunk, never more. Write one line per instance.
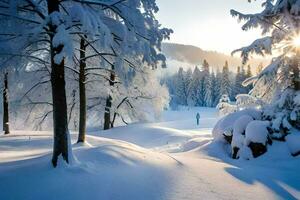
(82, 93)
(5, 105)
(60, 116)
(107, 120)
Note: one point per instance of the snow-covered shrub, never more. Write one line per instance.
(224, 106)
(238, 135)
(282, 114)
(224, 126)
(257, 137)
(293, 142)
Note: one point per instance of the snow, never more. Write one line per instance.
(239, 129)
(293, 142)
(169, 159)
(241, 123)
(257, 132)
(225, 124)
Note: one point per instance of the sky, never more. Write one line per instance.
(207, 23)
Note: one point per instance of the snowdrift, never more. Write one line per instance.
(104, 169)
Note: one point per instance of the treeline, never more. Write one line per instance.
(204, 87)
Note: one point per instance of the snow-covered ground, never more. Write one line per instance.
(169, 159)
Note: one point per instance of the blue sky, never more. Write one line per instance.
(207, 23)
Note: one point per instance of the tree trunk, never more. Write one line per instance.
(60, 116)
(296, 78)
(82, 93)
(5, 105)
(107, 120)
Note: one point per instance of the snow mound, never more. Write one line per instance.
(293, 142)
(225, 124)
(239, 126)
(149, 136)
(194, 144)
(239, 129)
(104, 167)
(257, 132)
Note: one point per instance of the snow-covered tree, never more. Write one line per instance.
(182, 87)
(217, 87)
(206, 84)
(277, 86)
(209, 90)
(195, 95)
(225, 87)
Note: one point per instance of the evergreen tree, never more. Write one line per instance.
(225, 88)
(238, 88)
(248, 75)
(217, 88)
(208, 98)
(205, 83)
(195, 97)
(213, 88)
(181, 87)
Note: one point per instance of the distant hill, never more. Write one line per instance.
(179, 55)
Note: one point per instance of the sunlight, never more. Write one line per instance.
(296, 41)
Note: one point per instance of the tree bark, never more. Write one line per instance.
(82, 93)
(296, 78)
(60, 116)
(107, 120)
(5, 105)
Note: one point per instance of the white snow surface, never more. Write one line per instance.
(257, 132)
(239, 127)
(226, 124)
(293, 142)
(168, 160)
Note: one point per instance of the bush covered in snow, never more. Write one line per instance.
(238, 135)
(224, 106)
(244, 130)
(224, 128)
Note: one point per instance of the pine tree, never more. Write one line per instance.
(225, 82)
(213, 88)
(206, 85)
(249, 87)
(181, 87)
(195, 97)
(217, 89)
(208, 98)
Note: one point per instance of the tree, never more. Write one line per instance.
(182, 90)
(225, 88)
(195, 95)
(208, 98)
(279, 82)
(217, 90)
(205, 84)
(82, 92)
(278, 19)
(5, 104)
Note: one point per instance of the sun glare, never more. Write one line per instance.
(296, 41)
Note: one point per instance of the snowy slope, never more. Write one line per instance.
(168, 160)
